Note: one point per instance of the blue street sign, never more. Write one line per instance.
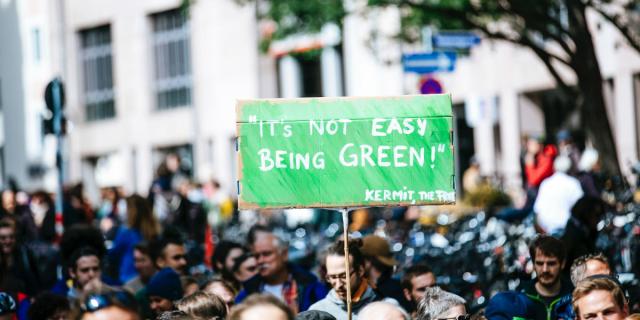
(424, 63)
(455, 40)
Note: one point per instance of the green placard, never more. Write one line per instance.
(345, 152)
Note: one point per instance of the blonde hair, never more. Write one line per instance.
(591, 284)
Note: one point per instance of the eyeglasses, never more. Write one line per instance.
(95, 302)
(340, 276)
(460, 317)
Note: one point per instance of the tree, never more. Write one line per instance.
(555, 30)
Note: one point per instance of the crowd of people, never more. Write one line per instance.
(166, 256)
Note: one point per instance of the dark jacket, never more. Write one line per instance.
(309, 288)
(546, 311)
(391, 288)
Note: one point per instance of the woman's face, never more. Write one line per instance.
(247, 270)
(231, 256)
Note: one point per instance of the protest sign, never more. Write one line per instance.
(345, 152)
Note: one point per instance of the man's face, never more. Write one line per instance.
(174, 257)
(87, 269)
(143, 264)
(600, 305)
(547, 269)
(8, 200)
(159, 304)
(418, 285)
(337, 276)
(7, 240)
(594, 267)
(270, 260)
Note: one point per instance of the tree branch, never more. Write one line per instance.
(623, 28)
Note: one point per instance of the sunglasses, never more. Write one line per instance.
(461, 317)
(95, 302)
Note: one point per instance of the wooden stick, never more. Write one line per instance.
(345, 225)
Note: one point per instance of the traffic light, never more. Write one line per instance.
(54, 98)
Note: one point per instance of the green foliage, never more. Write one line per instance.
(302, 16)
(486, 196)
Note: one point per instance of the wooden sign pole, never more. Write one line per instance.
(345, 226)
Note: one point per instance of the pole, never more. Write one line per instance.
(57, 129)
(345, 225)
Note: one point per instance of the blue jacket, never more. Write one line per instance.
(122, 253)
(310, 289)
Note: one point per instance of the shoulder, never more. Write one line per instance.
(302, 275)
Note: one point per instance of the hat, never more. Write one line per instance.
(314, 315)
(166, 284)
(7, 304)
(378, 247)
(509, 305)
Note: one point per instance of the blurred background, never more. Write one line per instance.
(150, 78)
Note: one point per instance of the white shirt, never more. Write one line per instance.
(556, 197)
(274, 290)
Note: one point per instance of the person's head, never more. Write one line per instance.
(8, 306)
(163, 289)
(49, 306)
(599, 298)
(261, 307)
(40, 203)
(635, 316)
(109, 304)
(244, 267)
(142, 262)
(314, 315)
(589, 265)
(189, 285)
(439, 304)
(224, 254)
(416, 280)
(379, 261)
(169, 252)
(562, 163)
(589, 161)
(84, 267)
(510, 305)
(534, 145)
(140, 217)
(589, 210)
(7, 236)
(8, 200)
(548, 256)
(382, 310)
(336, 270)
(271, 254)
(222, 289)
(174, 315)
(202, 305)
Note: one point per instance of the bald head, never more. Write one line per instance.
(383, 311)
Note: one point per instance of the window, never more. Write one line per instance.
(97, 73)
(36, 45)
(172, 59)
